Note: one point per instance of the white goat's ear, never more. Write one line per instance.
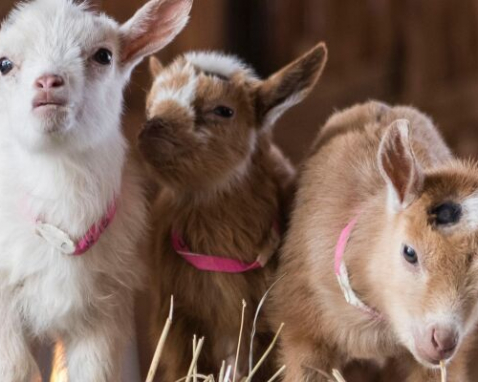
(290, 85)
(155, 66)
(398, 166)
(153, 27)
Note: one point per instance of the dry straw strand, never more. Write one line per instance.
(254, 323)
(443, 371)
(194, 361)
(276, 375)
(222, 371)
(228, 374)
(162, 340)
(239, 340)
(200, 376)
(322, 373)
(338, 377)
(265, 355)
(195, 370)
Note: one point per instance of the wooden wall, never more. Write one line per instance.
(407, 51)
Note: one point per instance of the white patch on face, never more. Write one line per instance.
(470, 211)
(184, 95)
(220, 64)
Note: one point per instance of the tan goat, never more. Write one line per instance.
(381, 256)
(225, 193)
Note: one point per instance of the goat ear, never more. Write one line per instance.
(153, 27)
(155, 66)
(290, 85)
(398, 166)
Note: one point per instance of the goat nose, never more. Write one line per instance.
(444, 340)
(50, 81)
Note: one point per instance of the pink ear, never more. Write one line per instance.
(153, 27)
(398, 166)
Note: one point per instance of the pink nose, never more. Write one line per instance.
(439, 343)
(444, 340)
(49, 81)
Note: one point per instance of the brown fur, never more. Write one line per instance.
(223, 194)
(342, 179)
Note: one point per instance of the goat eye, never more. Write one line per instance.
(447, 213)
(224, 112)
(5, 66)
(103, 56)
(409, 254)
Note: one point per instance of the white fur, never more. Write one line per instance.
(66, 169)
(184, 95)
(470, 211)
(224, 65)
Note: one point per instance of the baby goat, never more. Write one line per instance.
(64, 178)
(225, 192)
(381, 256)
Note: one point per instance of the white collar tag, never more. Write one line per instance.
(342, 274)
(56, 237)
(349, 294)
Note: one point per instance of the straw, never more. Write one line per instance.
(239, 341)
(276, 375)
(266, 353)
(338, 376)
(443, 371)
(194, 361)
(254, 324)
(161, 342)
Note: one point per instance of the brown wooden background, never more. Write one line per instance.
(417, 52)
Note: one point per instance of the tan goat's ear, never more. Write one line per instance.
(153, 27)
(290, 85)
(155, 66)
(398, 166)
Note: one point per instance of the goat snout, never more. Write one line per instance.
(438, 343)
(49, 81)
(153, 128)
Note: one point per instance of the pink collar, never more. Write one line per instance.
(62, 241)
(224, 264)
(342, 274)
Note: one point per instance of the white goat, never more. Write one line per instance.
(63, 175)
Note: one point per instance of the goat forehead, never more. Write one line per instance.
(55, 25)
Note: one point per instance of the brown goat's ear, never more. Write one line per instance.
(290, 85)
(155, 66)
(153, 27)
(398, 166)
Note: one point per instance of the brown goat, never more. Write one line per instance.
(225, 186)
(409, 266)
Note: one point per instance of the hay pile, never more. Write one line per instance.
(227, 373)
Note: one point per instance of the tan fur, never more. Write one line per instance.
(225, 185)
(341, 180)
